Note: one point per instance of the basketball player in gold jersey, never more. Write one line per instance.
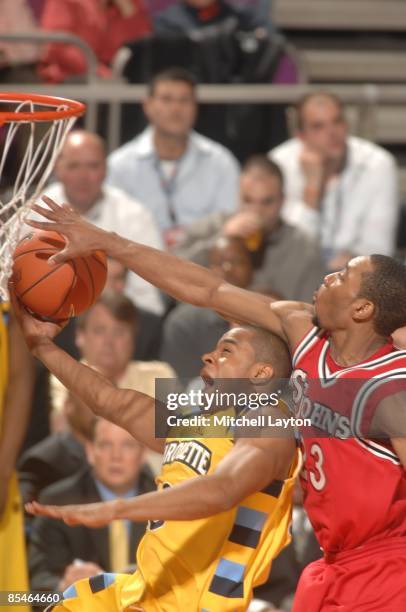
(16, 381)
(222, 511)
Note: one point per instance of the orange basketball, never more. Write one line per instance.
(56, 291)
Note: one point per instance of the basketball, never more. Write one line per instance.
(56, 291)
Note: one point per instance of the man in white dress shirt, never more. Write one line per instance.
(180, 175)
(339, 188)
(80, 171)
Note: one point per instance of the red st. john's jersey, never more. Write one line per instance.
(354, 486)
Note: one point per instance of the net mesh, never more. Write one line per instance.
(28, 151)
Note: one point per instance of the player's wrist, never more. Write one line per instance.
(114, 245)
(38, 345)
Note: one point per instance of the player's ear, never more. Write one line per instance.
(363, 310)
(261, 373)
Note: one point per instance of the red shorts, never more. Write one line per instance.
(371, 578)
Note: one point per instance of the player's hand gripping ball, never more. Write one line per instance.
(56, 291)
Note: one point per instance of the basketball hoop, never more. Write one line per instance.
(21, 116)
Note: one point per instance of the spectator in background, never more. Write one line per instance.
(149, 327)
(195, 14)
(190, 331)
(287, 264)
(104, 25)
(80, 171)
(339, 188)
(178, 174)
(60, 554)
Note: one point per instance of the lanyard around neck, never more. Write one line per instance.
(168, 185)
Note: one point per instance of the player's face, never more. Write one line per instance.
(116, 457)
(106, 343)
(232, 262)
(172, 108)
(233, 357)
(324, 128)
(262, 194)
(335, 299)
(81, 169)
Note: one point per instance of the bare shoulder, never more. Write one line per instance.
(296, 319)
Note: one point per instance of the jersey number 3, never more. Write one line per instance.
(316, 473)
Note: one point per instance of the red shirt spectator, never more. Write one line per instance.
(105, 26)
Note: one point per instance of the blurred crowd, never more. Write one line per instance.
(274, 221)
(107, 25)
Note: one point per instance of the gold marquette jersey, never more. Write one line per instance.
(13, 567)
(204, 565)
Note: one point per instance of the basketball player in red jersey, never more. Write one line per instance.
(355, 486)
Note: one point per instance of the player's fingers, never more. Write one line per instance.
(48, 213)
(35, 508)
(45, 225)
(61, 256)
(51, 203)
(67, 207)
(53, 511)
(46, 510)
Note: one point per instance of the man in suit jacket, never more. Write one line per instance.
(60, 554)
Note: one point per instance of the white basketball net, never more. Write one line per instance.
(42, 142)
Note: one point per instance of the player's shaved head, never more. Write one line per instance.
(269, 348)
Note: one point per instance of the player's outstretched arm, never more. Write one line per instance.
(181, 279)
(250, 466)
(129, 409)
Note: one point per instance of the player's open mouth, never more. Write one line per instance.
(208, 380)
